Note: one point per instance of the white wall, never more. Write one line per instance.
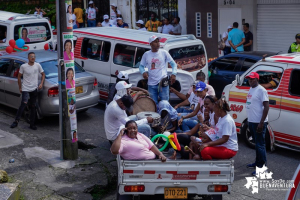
(182, 15)
(125, 8)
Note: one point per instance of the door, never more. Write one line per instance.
(4, 68)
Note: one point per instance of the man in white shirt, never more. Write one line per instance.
(28, 88)
(257, 107)
(91, 15)
(156, 60)
(177, 29)
(106, 22)
(227, 49)
(167, 28)
(115, 116)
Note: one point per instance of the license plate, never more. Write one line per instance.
(79, 89)
(176, 193)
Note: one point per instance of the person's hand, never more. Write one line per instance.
(40, 86)
(171, 32)
(200, 117)
(180, 121)
(260, 127)
(162, 157)
(173, 79)
(145, 75)
(161, 129)
(122, 132)
(150, 120)
(140, 93)
(20, 89)
(172, 90)
(205, 127)
(175, 107)
(202, 146)
(193, 138)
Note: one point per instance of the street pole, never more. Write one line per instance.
(67, 99)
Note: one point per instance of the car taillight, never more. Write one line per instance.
(53, 92)
(54, 32)
(95, 83)
(134, 188)
(217, 188)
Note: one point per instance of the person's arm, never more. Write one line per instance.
(174, 69)
(267, 85)
(43, 79)
(115, 147)
(242, 42)
(249, 44)
(156, 151)
(263, 118)
(224, 37)
(192, 114)
(19, 82)
(191, 132)
(44, 13)
(174, 123)
(220, 141)
(180, 95)
(139, 89)
(184, 103)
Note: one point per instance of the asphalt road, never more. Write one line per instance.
(282, 163)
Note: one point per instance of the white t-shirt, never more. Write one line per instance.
(212, 119)
(226, 126)
(30, 76)
(142, 29)
(91, 13)
(41, 13)
(113, 16)
(167, 29)
(157, 63)
(74, 19)
(223, 36)
(69, 17)
(106, 24)
(254, 105)
(193, 99)
(114, 118)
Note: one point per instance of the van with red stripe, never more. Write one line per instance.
(104, 51)
(283, 73)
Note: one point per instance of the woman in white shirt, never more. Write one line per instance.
(167, 28)
(224, 145)
(69, 17)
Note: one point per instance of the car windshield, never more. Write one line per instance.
(51, 71)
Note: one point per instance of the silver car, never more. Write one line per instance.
(87, 94)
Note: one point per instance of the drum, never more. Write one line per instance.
(154, 115)
(143, 103)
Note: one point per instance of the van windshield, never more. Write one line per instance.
(33, 33)
(189, 58)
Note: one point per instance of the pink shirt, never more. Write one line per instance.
(66, 57)
(136, 149)
(68, 85)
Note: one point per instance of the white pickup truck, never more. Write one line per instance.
(174, 179)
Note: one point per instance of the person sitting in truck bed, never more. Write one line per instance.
(132, 145)
(225, 146)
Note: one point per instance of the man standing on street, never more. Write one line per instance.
(79, 14)
(91, 15)
(236, 38)
(248, 38)
(295, 47)
(28, 88)
(156, 60)
(257, 107)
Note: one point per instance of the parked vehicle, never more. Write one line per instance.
(105, 51)
(35, 30)
(224, 69)
(283, 126)
(175, 179)
(47, 103)
(294, 193)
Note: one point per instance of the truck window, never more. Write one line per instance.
(124, 55)
(139, 54)
(225, 64)
(95, 49)
(4, 65)
(3, 31)
(294, 88)
(247, 64)
(190, 58)
(33, 33)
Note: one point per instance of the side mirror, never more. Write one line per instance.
(237, 78)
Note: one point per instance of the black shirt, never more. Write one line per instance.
(248, 37)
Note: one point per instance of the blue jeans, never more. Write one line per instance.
(81, 25)
(227, 50)
(31, 97)
(91, 23)
(75, 26)
(260, 145)
(184, 109)
(143, 128)
(188, 124)
(155, 91)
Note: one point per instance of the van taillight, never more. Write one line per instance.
(134, 188)
(95, 83)
(217, 188)
(53, 92)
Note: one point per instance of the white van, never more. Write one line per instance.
(104, 51)
(35, 30)
(284, 100)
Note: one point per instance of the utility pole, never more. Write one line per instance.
(67, 89)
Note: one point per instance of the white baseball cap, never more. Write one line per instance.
(123, 75)
(229, 27)
(152, 38)
(119, 18)
(140, 22)
(105, 17)
(113, 4)
(122, 85)
(91, 2)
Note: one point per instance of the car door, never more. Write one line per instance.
(12, 92)
(223, 73)
(4, 68)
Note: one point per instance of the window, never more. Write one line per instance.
(294, 88)
(3, 30)
(226, 64)
(190, 58)
(33, 33)
(139, 54)
(16, 68)
(124, 55)
(95, 49)
(4, 65)
(247, 64)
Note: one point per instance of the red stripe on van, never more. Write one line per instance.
(287, 141)
(286, 136)
(128, 171)
(288, 61)
(286, 57)
(193, 172)
(149, 172)
(238, 100)
(215, 172)
(77, 50)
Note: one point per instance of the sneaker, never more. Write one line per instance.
(253, 173)
(14, 124)
(33, 127)
(253, 165)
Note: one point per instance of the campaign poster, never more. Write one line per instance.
(33, 33)
(74, 136)
(73, 120)
(68, 46)
(70, 74)
(69, 14)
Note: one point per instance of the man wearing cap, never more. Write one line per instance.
(114, 13)
(156, 61)
(115, 116)
(248, 37)
(236, 38)
(121, 24)
(140, 25)
(227, 49)
(91, 15)
(295, 47)
(257, 107)
(106, 22)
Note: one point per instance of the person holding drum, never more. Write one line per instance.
(156, 61)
